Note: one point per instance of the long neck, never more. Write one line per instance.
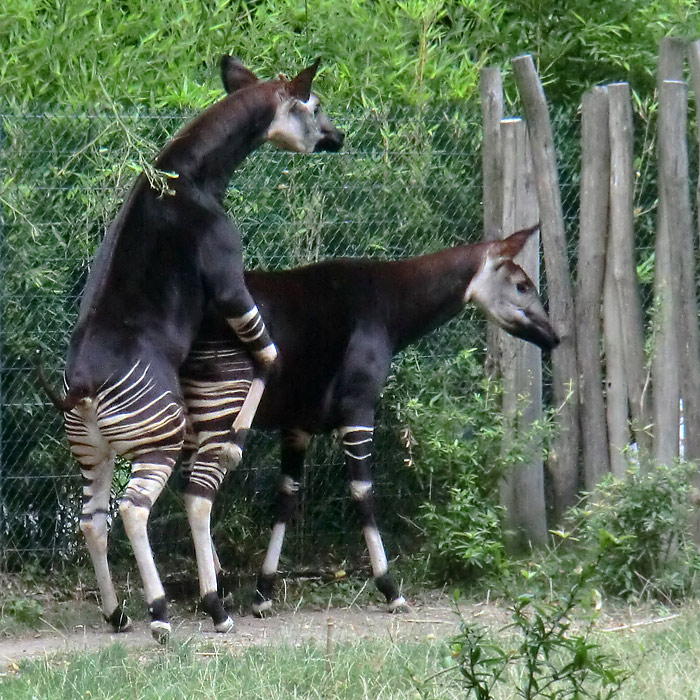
(208, 149)
(429, 290)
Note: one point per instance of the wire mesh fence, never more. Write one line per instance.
(406, 183)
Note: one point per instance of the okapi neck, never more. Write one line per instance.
(431, 290)
(208, 149)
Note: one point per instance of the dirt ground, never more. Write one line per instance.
(434, 617)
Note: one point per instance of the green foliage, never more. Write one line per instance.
(546, 656)
(26, 611)
(69, 53)
(638, 532)
(453, 430)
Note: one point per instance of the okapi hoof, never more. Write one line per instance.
(398, 605)
(225, 626)
(160, 631)
(119, 620)
(262, 608)
(230, 456)
(213, 606)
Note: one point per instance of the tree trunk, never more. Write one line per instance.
(491, 158)
(595, 164)
(623, 260)
(522, 491)
(564, 456)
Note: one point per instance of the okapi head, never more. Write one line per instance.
(299, 123)
(503, 291)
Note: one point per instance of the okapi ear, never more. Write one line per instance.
(235, 75)
(511, 246)
(300, 87)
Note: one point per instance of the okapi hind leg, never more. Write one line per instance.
(97, 483)
(204, 478)
(357, 446)
(251, 332)
(150, 472)
(96, 460)
(295, 443)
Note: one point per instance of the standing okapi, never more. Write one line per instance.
(337, 325)
(163, 259)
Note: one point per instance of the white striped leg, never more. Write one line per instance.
(96, 461)
(357, 445)
(215, 382)
(294, 446)
(149, 475)
(97, 482)
(199, 516)
(250, 330)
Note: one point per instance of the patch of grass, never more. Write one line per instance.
(661, 659)
(201, 671)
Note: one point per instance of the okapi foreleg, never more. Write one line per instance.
(294, 446)
(357, 446)
(251, 331)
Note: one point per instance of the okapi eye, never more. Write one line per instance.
(521, 287)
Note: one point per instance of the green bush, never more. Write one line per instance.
(638, 532)
(453, 430)
(542, 653)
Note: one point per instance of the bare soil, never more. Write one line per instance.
(433, 617)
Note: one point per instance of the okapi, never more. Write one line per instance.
(166, 257)
(337, 325)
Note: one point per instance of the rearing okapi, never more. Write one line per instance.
(163, 259)
(337, 325)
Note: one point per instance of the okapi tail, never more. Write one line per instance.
(63, 404)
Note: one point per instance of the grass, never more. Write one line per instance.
(662, 660)
(195, 671)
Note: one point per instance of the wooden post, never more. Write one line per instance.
(690, 374)
(666, 361)
(564, 457)
(595, 164)
(689, 388)
(615, 375)
(522, 491)
(491, 88)
(623, 261)
(672, 51)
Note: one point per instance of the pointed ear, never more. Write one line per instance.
(511, 246)
(235, 75)
(300, 87)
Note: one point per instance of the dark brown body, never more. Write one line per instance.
(337, 325)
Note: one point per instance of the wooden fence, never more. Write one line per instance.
(622, 392)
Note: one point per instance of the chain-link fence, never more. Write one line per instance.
(405, 183)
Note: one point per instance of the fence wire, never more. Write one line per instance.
(405, 183)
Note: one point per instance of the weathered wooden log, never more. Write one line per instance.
(623, 260)
(616, 405)
(563, 463)
(595, 165)
(522, 491)
(666, 360)
(691, 410)
(491, 88)
(690, 374)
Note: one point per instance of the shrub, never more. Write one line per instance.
(453, 430)
(638, 531)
